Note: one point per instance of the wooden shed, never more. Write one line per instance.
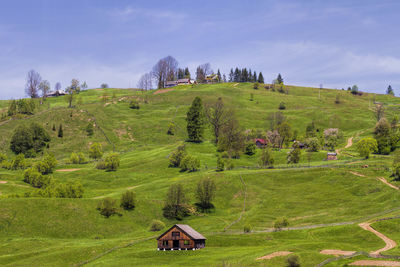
(181, 237)
(331, 156)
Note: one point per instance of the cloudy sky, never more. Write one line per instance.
(334, 43)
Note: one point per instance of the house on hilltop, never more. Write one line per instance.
(56, 93)
(170, 84)
(181, 237)
(212, 78)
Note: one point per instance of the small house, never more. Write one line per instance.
(331, 156)
(183, 81)
(56, 93)
(261, 143)
(181, 237)
(170, 84)
(212, 78)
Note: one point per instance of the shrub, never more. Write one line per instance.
(95, 151)
(60, 133)
(205, 193)
(107, 207)
(171, 129)
(229, 164)
(35, 178)
(280, 223)
(18, 162)
(251, 97)
(293, 261)
(58, 190)
(47, 164)
(255, 86)
(128, 200)
(156, 225)
(90, 129)
(3, 157)
(312, 144)
(247, 228)
(134, 104)
(337, 100)
(294, 155)
(189, 163)
(101, 165)
(82, 158)
(282, 106)
(176, 157)
(111, 162)
(74, 159)
(220, 164)
(267, 159)
(27, 138)
(250, 149)
(366, 146)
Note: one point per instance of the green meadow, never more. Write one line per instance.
(323, 200)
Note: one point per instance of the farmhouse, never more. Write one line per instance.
(181, 237)
(170, 83)
(331, 156)
(261, 143)
(212, 78)
(56, 93)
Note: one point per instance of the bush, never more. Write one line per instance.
(312, 144)
(250, 149)
(171, 129)
(77, 158)
(18, 162)
(60, 133)
(111, 162)
(27, 138)
(280, 223)
(255, 86)
(95, 151)
(128, 200)
(282, 106)
(247, 228)
(293, 156)
(267, 159)
(3, 157)
(176, 157)
(293, 261)
(33, 177)
(107, 207)
(47, 164)
(190, 163)
(101, 165)
(90, 129)
(156, 225)
(134, 104)
(220, 164)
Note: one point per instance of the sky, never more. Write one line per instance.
(334, 43)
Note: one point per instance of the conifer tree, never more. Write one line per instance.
(195, 121)
(187, 73)
(219, 76)
(250, 76)
(236, 76)
(244, 75)
(260, 78)
(255, 77)
(60, 131)
(279, 79)
(231, 76)
(389, 90)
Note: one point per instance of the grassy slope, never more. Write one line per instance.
(36, 230)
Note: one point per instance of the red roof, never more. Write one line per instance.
(262, 141)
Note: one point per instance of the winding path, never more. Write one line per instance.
(389, 242)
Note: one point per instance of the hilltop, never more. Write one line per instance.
(313, 193)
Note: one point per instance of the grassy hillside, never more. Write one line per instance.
(63, 232)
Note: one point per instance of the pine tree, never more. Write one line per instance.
(187, 73)
(255, 77)
(244, 75)
(231, 76)
(389, 90)
(260, 78)
(219, 76)
(60, 131)
(279, 79)
(236, 76)
(195, 121)
(250, 76)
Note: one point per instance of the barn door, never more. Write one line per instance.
(176, 244)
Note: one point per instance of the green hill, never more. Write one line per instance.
(323, 200)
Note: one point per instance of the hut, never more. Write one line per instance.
(181, 237)
(331, 156)
(261, 143)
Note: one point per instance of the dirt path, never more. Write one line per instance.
(356, 173)
(244, 205)
(383, 180)
(67, 170)
(275, 254)
(162, 91)
(389, 242)
(3, 182)
(375, 263)
(236, 84)
(337, 252)
(349, 144)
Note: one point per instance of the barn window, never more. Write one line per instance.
(176, 234)
(165, 243)
(186, 242)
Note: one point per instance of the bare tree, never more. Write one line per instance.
(202, 71)
(146, 81)
(165, 70)
(218, 116)
(44, 86)
(32, 83)
(71, 90)
(57, 86)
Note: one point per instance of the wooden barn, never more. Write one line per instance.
(331, 156)
(181, 237)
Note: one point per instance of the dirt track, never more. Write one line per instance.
(275, 254)
(375, 263)
(383, 180)
(336, 252)
(389, 242)
(67, 170)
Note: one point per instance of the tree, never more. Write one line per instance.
(382, 136)
(396, 167)
(311, 130)
(189, 163)
(202, 71)
(205, 193)
(231, 138)
(47, 164)
(379, 112)
(12, 108)
(195, 121)
(111, 162)
(250, 149)
(293, 156)
(260, 78)
(176, 206)
(282, 106)
(332, 136)
(104, 85)
(187, 73)
(274, 138)
(293, 261)
(267, 159)
(44, 86)
(128, 200)
(176, 156)
(145, 81)
(32, 84)
(366, 146)
(217, 115)
(354, 89)
(275, 119)
(90, 129)
(156, 225)
(57, 86)
(280, 223)
(40, 136)
(84, 85)
(60, 133)
(95, 151)
(26, 139)
(231, 76)
(219, 76)
(107, 207)
(279, 79)
(73, 89)
(164, 70)
(312, 144)
(390, 91)
(285, 132)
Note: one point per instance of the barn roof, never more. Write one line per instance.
(187, 230)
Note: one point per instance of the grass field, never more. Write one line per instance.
(64, 232)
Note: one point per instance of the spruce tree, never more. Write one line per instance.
(195, 121)
(244, 75)
(187, 73)
(250, 76)
(389, 90)
(60, 131)
(236, 75)
(279, 79)
(260, 78)
(219, 76)
(231, 76)
(255, 77)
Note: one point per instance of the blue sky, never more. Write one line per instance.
(334, 43)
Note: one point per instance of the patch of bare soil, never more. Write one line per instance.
(275, 254)
(389, 242)
(106, 104)
(349, 142)
(375, 263)
(67, 170)
(358, 174)
(336, 252)
(383, 180)
(3, 182)
(236, 84)
(162, 91)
